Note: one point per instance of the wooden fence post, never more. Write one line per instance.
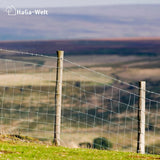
(58, 98)
(141, 118)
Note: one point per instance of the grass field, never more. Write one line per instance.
(13, 150)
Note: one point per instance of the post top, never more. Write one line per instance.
(60, 54)
(60, 51)
(142, 81)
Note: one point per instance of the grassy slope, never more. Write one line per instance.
(14, 150)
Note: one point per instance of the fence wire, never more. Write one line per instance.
(98, 111)
(27, 92)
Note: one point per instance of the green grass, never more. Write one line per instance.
(28, 151)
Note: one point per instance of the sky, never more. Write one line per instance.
(70, 3)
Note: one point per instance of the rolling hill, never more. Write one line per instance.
(126, 47)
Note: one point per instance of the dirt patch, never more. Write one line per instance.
(17, 138)
(7, 152)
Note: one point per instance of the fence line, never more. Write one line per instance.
(95, 107)
(73, 63)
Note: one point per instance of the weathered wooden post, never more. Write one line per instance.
(58, 98)
(141, 118)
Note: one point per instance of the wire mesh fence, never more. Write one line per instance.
(27, 98)
(98, 111)
(94, 108)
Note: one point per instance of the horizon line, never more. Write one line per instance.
(93, 39)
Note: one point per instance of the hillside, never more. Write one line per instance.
(136, 46)
(84, 110)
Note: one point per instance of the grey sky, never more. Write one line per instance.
(70, 3)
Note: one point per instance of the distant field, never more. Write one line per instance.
(28, 84)
(117, 57)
